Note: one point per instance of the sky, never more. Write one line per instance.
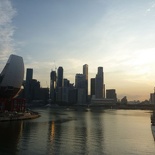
(118, 35)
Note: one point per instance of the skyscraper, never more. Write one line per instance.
(52, 85)
(80, 84)
(60, 77)
(85, 72)
(29, 76)
(99, 84)
(59, 85)
(92, 87)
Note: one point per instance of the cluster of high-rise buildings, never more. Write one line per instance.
(63, 92)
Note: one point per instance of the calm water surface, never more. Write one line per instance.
(107, 132)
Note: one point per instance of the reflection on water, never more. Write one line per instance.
(10, 133)
(78, 132)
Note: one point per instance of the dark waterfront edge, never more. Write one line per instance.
(15, 116)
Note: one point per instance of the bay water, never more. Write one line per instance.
(89, 132)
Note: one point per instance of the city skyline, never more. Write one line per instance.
(115, 34)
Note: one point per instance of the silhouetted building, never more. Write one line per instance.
(35, 90)
(72, 96)
(80, 84)
(99, 84)
(124, 100)
(44, 94)
(85, 72)
(111, 94)
(29, 76)
(92, 87)
(65, 90)
(66, 83)
(60, 77)
(59, 94)
(53, 86)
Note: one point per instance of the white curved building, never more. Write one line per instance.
(11, 78)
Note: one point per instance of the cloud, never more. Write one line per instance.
(7, 12)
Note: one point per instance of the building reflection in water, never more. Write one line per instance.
(10, 134)
(76, 133)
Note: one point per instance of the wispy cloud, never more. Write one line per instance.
(7, 12)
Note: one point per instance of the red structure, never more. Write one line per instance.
(15, 104)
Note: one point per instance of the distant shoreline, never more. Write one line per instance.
(97, 106)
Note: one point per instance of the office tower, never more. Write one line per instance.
(111, 94)
(80, 81)
(99, 84)
(85, 72)
(66, 83)
(29, 76)
(52, 85)
(80, 84)
(59, 85)
(92, 87)
(60, 77)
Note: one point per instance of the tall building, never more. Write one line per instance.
(80, 81)
(99, 84)
(92, 87)
(53, 86)
(85, 72)
(29, 76)
(60, 77)
(80, 84)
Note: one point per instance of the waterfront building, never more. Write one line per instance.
(72, 96)
(111, 94)
(29, 77)
(99, 84)
(53, 86)
(102, 101)
(65, 90)
(60, 77)
(44, 94)
(85, 72)
(80, 84)
(124, 100)
(66, 83)
(11, 77)
(34, 90)
(92, 87)
(59, 95)
(81, 96)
